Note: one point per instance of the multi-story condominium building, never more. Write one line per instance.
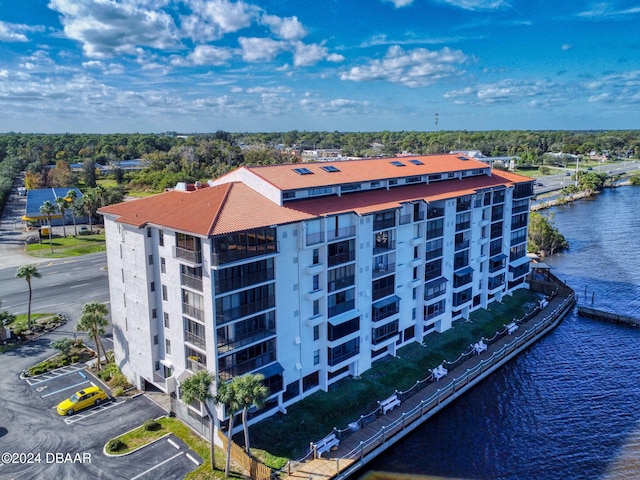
(309, 273)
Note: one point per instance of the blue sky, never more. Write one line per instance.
(121, 66)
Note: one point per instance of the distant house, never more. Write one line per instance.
(35, 199)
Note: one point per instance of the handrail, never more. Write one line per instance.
(426, 405)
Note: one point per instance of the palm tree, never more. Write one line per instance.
(89, 204)
(250, 391)
(28, 272)
(71, 197)
(198, 387)
(61, 205)
(48, 209)
(228, 396)
(92, 320)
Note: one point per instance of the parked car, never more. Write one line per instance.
(82, 399)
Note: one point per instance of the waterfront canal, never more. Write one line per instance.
(569, 407)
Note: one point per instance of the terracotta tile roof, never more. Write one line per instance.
(285, 177)
(234, 207)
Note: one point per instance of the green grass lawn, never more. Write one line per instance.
(68, 247)
(288, 436)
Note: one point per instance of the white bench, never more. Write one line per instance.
(479, 347)
(439, 372)
(389, 403)
(326, 444)
(512, 327)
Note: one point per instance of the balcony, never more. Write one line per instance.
(195, 340)
(192, 256)
(462, 245)
(383, 291)
(340, 258)
(382, 270)
(431, 254)
(315, 238)
(340, 308)
(463, 206)
(235, 255)
(192, 311)
(463, 226)
(194, 365)
(191, 282)
(249, 308)
(433, 212)
(404, 219)
(385, 223)
(344, 232)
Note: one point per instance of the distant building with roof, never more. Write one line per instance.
(35, 199)
(309, 273)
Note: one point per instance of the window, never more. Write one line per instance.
(330, 168)
(150, 259)
(316, 332)
(155, 341)
(289, 194)
(167, 347)
(416, 162)
(163, 265)
(413, 179)
(154, 313)
(153, 286)
(157, 365)
(148, 232)
(303, 171)
(161, 238)
(316, 256)
(336, 332)
(166, 319)
(341, 302)
(164, 293)
(396, 163)
(316, 282)
(341, 277)
(316, 307)
(316, 357)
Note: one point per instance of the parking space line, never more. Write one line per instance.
(45, 377)
(66, 388)
(158, 465)
(175, 445)
(193, 459)
(91, 412)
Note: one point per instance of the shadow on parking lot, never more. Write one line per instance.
(3, 431)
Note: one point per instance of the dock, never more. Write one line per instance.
(608, 316)
(364, 442)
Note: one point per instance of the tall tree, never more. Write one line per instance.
(93, 321)
(228, 396)
(250, 391)
(48, 209)
(198, 388)
(71, 198)
(62, 206)
(89, 204)
(28, 272)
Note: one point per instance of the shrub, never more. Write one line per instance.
(75, 358)
(119, 380)
(6, 317)
(19, 329)
(114, 445)
(117, 392)
(151, 425)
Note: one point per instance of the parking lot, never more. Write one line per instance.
(58, 385)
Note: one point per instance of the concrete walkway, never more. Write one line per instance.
(358, 447)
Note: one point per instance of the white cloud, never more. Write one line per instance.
(600, 10)
(212, 19)
(401, 3)
(308, 54)
(106, 29)
(209, 55)
(477, 5)
(260, 49)
(106, 68)
(566, 47)
(14, 32)
(288, 28)
(541, 92)
(412, 68)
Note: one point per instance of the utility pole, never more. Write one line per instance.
(436, 122)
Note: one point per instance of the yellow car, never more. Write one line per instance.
(82, 399)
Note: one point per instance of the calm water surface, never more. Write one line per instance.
(569, 407)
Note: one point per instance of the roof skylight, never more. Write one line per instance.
(416, 162)
(303, 171)
(330, 168)
(397, 163)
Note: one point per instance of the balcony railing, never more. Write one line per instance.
(462, 245)
(463, 206)
(247, 309)
(192, 311)
(382, 224)
(226, 345)
(431, 254)
(315, 238)
(340, 308)
(383, 291)
(339, 258)
(463, 226)
(382, 270)
(191, 281)
(404, 219)
(192, 256)
(435, 212)
(194, 339)
(195, 366)
(343, 232)
(229, 256)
